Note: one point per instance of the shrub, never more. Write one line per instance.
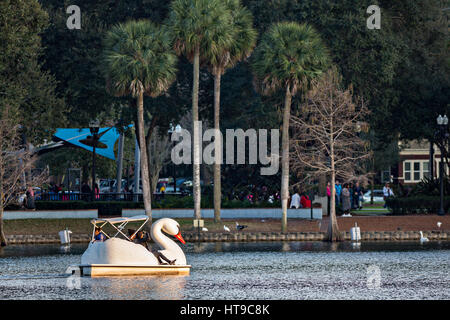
(109, 209)
(13, 206)
(85, 205)
(416, 205)
(430, 187)
(63, 205)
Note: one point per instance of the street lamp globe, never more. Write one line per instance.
(440, 120)
(445, 120)
(94, 126)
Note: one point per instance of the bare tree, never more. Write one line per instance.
(326, 138)
(158, 148)
(15, 162)
(207, 170)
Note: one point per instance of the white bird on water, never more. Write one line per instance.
(226, 228)
(422, 238)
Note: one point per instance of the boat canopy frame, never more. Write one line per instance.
(118, 224)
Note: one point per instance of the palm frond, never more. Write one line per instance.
(289, 54)
(138, 57)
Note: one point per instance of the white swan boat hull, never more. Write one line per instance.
(105, 270)
(120, 257)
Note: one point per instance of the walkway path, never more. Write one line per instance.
(391, 223)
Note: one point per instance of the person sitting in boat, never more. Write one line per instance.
(141, 237)
(99, 235)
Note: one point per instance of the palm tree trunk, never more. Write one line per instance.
(217, 149)
(119, 163)
(148, 139)
(144, 161)
(285, 159)
(196, 164)
(150, 172)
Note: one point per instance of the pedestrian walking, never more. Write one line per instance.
(295, 201)
(30, 198)
(357, 194)
(346, 205)
(338, 188)
(328, 197)
(387, 192)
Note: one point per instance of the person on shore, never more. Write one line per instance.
(387, 192)
(346, 205)
(85, 191)
(350, 189)
(99, 235)
(357, 193)
(329, 197)
(126, 192)
(305, 202)
(23, 199)
(338, 188)
(30, 198)
(295, 201)
(96, 191)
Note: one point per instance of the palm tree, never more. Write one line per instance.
(201, 28)
(289, 56)
(139, 61)
(243, 44)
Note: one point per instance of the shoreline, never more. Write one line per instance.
(252, 237)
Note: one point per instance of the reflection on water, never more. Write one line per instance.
(233, 270)
(137, 288)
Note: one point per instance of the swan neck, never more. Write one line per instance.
(163, 241)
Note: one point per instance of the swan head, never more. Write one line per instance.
(172, 228)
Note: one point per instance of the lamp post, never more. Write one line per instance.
(442, 122)
(94, 127)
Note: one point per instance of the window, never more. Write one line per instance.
(407, 171)
(426, 169)
(414, 171)
(438, 168)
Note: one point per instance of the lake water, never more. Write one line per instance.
(252, 270)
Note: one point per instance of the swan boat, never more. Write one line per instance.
(118, 255)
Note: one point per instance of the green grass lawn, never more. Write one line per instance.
(375, 209)
(47, 226)
(83, 226)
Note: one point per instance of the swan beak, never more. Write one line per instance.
(179, 237)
